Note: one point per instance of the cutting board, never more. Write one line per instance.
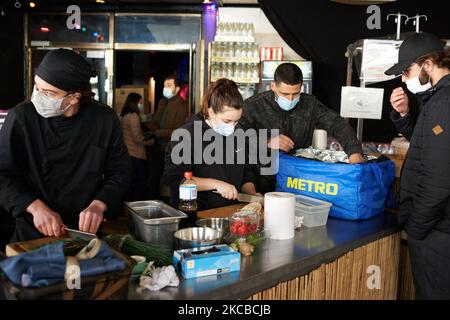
(14, 249)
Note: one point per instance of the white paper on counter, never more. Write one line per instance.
(378, 56)
(361, 103)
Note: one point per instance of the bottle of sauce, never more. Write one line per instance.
(188, 201)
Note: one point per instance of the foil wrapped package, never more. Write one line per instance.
(330, 156)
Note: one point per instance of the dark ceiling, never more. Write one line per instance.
(116, 2)
(119, 1)
(108, 6)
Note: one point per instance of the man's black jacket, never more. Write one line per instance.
(425, 180)
(262, 112)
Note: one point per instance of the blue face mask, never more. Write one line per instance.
(286, 104)
(168, 93)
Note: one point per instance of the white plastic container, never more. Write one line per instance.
(314, 212)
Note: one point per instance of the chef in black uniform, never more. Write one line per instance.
(219, 182)
(62, 158)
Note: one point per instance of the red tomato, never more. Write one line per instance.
(242, 230)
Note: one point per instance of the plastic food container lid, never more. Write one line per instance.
(305, 201)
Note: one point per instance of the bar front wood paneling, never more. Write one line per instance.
(406, 290)
(346, 277)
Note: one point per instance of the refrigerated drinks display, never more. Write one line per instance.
(235, 55)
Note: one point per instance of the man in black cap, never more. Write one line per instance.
(62, 158)
(425, 182)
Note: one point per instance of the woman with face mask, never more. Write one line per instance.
(200, 146)
(135, 142)
(425, 182)
(62, 158)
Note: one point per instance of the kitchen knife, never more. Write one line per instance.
(71, 233)
(243, 197)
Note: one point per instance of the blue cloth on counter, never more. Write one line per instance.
(46, 266)
(43, 275)
(48, 263)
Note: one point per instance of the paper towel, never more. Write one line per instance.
(320, 139)
(279, 213)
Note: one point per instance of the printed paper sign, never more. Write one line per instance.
(362, 103)
(378, 56)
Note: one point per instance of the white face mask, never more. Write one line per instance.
(46, 106)
(224, 129)
(415, 86)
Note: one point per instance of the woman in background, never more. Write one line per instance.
(135, 141)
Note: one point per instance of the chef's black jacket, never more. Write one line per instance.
(235, 174)
(66, 162)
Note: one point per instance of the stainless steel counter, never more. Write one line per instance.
(275, 260)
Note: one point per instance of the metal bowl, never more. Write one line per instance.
(196, 237)
(220, 224)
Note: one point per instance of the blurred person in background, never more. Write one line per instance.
(170, 114)
(135, 142)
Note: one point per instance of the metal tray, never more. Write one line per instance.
(154, 221)
(154, 212)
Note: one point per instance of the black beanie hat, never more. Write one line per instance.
(66, 70)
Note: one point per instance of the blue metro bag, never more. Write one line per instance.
(358, 192)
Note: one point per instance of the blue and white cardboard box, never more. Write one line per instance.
(206, 261)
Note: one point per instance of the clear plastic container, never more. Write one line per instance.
(314, 212)
(244, 223)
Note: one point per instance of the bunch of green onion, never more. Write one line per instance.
(162, 256)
